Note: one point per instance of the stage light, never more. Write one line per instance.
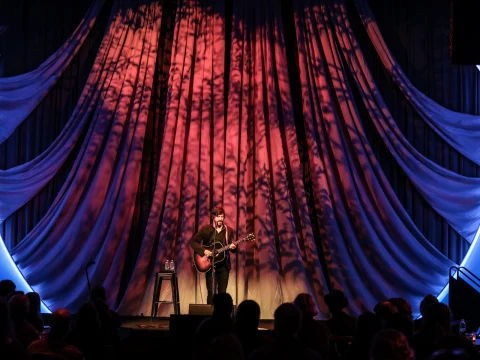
(470, 261)
(9, 270)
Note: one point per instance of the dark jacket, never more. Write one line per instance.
(207, 235)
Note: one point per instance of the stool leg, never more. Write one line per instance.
(153, 297)
(177, 304)
(157, 296)
(174, 298)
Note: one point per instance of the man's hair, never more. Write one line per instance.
(217, 211)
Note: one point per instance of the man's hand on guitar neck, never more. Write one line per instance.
(232, 246)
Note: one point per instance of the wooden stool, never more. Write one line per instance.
(167, 275)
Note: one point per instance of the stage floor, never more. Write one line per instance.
(162, 324)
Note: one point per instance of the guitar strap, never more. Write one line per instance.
(227, 254)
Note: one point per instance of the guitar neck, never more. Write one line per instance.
(222, 249)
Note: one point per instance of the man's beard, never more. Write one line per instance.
(219, 223)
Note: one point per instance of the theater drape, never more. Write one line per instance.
(19, 95)
(242, 124)
(91, 216)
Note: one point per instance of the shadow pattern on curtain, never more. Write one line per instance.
(152, 164)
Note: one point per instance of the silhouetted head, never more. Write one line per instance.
(305, 303)
(6, 287)
(98, 293)
(6, 328)
(226, 346)
(426, 302)
(18, 307)
(87, 317)
(288, 320)
(438, 317)
(403, 307)
(34, 299)
(60, 323)
(248, 315)
(336, 301)
(13, 293)
(400, 323)
(368, 324)
(391, 344)
(384, 309)
(222, 304)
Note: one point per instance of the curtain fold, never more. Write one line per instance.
(91, 216)
(19, 184)
(455, 197)
(229, 138)
(461, 131)
(368, 238)
(240, 164)
(19, 95)
(162, 229)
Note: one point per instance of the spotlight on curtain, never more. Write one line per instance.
(471, 261)
(9, 270)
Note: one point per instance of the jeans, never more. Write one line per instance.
(221, 276)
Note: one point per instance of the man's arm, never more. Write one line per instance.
(195, 242)
(230, 239)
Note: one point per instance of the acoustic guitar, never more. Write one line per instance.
(204, 263)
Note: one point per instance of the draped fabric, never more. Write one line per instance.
(194, 115)
(461, 131)
(231, 136)
(19, 95)
(241, 164)
(458, 199)
(19, 184)
(418, 36)
(91, 216)
(367, 234)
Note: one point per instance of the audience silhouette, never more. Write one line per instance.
(386, 333)
(25, 333)
(54, 343)
(287, 325)
(313, 334)
(247, 320)
(9, 347)
(220, 323)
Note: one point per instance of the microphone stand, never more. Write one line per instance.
(214, 280)
(88, 279)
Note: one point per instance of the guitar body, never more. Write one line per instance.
(204, 263)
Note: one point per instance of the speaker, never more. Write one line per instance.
(200, 309)
(464, 32)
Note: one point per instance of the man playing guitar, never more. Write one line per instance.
(214, 236)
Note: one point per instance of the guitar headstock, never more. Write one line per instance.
(250, 237)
